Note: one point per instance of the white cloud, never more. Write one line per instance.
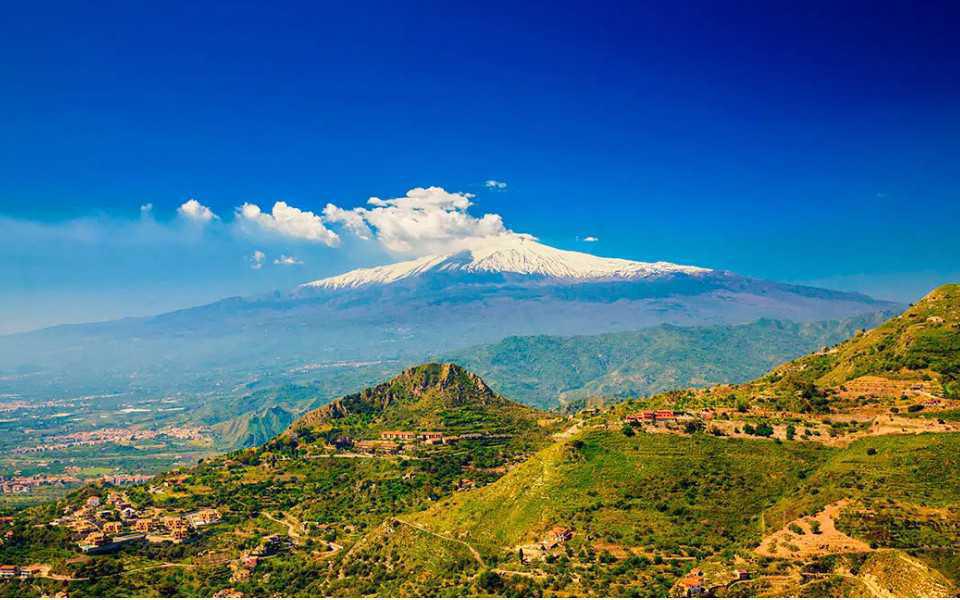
(424, 221)
(287, 260)
(351, 219)
(289, 221)
(146, 209)
(591, 238)
(194, 211)
(493, 184)
(256, 259)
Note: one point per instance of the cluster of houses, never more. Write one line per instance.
(104, 527)
(653, 416)
(27, 572)
(26, 484)
(391, 442)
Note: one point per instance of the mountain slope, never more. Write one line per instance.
(923, 343)
(404, 313)
(509, 254)
(914, 356)
(430, 397)
(316, 487)
(254, 428)
(549, 370)
(507, 500)
(642, 510)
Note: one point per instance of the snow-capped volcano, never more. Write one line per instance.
(513, 255)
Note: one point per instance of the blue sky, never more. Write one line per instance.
(795, 141)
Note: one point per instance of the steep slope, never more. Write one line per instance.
(549, 370)
(254, 428)
(913, 357)
(922, 344)
(430, 397)
(608, 514)
(633, 514)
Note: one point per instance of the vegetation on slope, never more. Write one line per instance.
(547, 370)
(640, 508)
(915, 354)
(296, 482)
(923, 343)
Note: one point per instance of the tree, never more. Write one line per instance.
(764, 429)
(489, 581)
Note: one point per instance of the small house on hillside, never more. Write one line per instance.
(34, 570)
(403, 436)
(113, 527)
(691, 585)
(204, 516)
(556, 536)
(9, 571)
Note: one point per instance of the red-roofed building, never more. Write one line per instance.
(398, 435)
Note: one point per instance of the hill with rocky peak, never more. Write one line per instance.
(442, 397)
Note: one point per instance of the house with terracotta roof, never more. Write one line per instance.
(691, 585)
(401, 436)
(9, 571)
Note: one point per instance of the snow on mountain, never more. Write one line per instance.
(510, 254)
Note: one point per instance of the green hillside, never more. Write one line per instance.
(549, 370)
(430, 397)
(912, 356)
(644, 509)
(834, 475)
(923, 343)
(253, 428)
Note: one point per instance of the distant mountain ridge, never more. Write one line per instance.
(402, 314)
(549, 371)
